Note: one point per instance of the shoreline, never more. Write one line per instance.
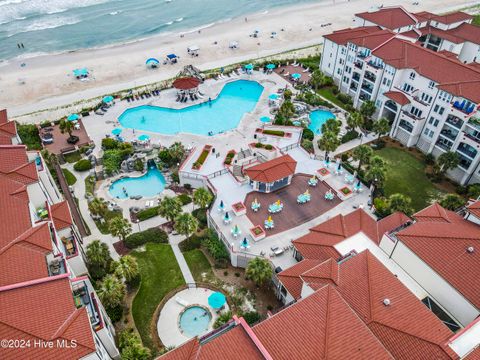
(47, 83)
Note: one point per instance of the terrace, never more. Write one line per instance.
(60, 144)
(83, 297)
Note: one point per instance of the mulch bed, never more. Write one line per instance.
(120, 248)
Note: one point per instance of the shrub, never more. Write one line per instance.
(222, 319)
(175, 177)
(274, 132)
(192, 243)
(109, 144)
(82, 165)
(429, 159)
(268, 147)
(152, 235)
(350, 135)
(28, 133)
(344, 98)
(165, 157)
(147, 213)
(307, 145)
(344, 157)
(225, 273)
(473, 191)
(89, 185)
(237, 274)
(216, 248)
(115, 313)
(184, 199)
(69, 177)
(307, 134)
(201, 216)
(381, 207)
(138, 166)
(258, 145)
(251, 317)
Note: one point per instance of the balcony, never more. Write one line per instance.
(364, 97)
(411, 116)
(353, 86)
(467, 150)
(376, 66)
(465, 106)
(69, 244)
(450, 134)
(405, 125)
(454, 121)
(367, 88)
(369, 76)
(57, 266)
(83, 298)
(356, 77)
(358, 64)
(444, 144)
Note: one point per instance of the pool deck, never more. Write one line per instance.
(167, 326)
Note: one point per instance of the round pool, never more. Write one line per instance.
(195, 321)
(148, 185)
(317, 119)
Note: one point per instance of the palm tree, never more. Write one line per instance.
(452, 202)
(377, 172)
(328, 142)
(381, 127)
(98, 254)
(355, 120)
(259, 270)
(66, 127)
(377, 161)
(368, 109)
(319, 79)
(170, 208)
(332, 125)
(126, 268)
(111, 291)
(362, 153)
(176, 151)
(202, 197)
(120, 227)
(400, 202)
(97, 207)
(447, 161)
(186, 224)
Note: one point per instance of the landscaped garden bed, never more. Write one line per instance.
(257, 233)
(239, 208)
(229, 158)
(323, 172)
(258, 145)
(197, 165)
(279, 133)
(345, 192)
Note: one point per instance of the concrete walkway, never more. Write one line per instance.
(174, 241)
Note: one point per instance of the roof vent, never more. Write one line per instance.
(470, 249)
(386, 302)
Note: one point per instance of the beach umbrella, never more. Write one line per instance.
(249, 66)
(273, 96)
(116, 131)
(265, 119)
(226, 217)
(80, 72)
(144, 137)
(296, 76)
(152, 62)
(245, 244)
(216, 300)
(271, 66)
(73, 117)
(107, 99)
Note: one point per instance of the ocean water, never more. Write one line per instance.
(45, 26)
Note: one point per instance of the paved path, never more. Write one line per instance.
(174, 240)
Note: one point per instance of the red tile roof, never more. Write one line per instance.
(397, 96)
(14, 164)
(474, 355)
(371, 41)
(474, 209)
(8, 129)
(441, 239)
(59, 319)
(466, 32)
(320, 326)
(342, 37)
(452, 18)
(290, 277)
(61, 216)
(389, 17)
(272, 170)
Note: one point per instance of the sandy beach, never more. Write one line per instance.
(46, 82)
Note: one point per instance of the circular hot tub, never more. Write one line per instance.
(195, 321)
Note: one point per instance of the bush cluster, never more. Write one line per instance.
(184, 199)
(350, 135)
(82, 165)
(152, 235)
(147, 213)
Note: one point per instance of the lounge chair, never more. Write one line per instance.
(295, 63)
(287, 74)
(306, 70)
(182, 302)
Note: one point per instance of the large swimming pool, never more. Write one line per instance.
(210, 117)
(148, 185)
(317, 119)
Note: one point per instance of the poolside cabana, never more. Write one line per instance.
(272, 175)
(186, 86)
(193, 50)
(171, 58)
(152, 63)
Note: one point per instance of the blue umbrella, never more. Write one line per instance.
(143, 137)
(116, 131)
(245, 243)
(152, 61)
(296, 76)
(73, 117)
(265, 119)
(222, 206)
(271, 66)
(171, 56)
(107, 99)
(80, 72)
(273, 96)
(216, 300)
(249, 66)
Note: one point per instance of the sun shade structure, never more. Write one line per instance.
(296, 76)
(73, 117)
(216, 300)
(265, 119)
(271, 66)
(152, 62)
(144, 137)
(193, 48)
(107, 99)
(273, 174)
(249, 67)
(116, 131)
(171, 56)
(83, 72)
(273, 96)
(186, 83)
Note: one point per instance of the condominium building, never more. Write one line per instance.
(47, 300)
(423, 73)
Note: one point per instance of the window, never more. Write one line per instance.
(341, 61)
(378, 104)
(433, 121)
(345, 79)
(444, 96)
(416, 112)
(430, 135)
(384, 81)
(407, 87)
(412, 76)
(439, 109)
(426, 98)
(343, 51)
(339, 71)
(431, 85)
(425, 132)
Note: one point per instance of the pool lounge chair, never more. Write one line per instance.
(287, 74)
(182, 302)
(306, 70)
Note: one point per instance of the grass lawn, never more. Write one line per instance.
(199, 265)
(109, 215)
(89, 185)
(69, 177)
(476, 20)
(406, 175)
(327, 94)
(72, 157)
(160, 274)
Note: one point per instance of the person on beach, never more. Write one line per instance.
(246, 20)
(18, 45)
(23, 47)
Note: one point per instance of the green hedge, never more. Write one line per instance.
(184, 199)
(152, 235)
(82, 165)
(350, 135)
(307, 134)
(274, 132)
(201, 216)
(29, 135)
(69, 177)
(192, 243)
(147, 213)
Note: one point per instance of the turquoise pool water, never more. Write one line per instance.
(194, 321)
(219, 115)
(147, 185)
(317, 119)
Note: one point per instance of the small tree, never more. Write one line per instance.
(111, 291)
(177, 151)
(186, 224)
(202, 197)
(368, 109)
(126, 268)
(400, 202)
(131, 347)
(376, 172)
(332, 125)
(66, 127)
(170, 208)
(98, 259)
(362, 154)
(452, 202)
(259, 270)
(355, 120)
(120, 227)
(319, 80)
(381, 127)
(328, 142)
(447, 161)
(97, 207)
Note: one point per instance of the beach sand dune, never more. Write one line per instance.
(47, 82)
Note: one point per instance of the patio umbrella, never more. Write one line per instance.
(265, 119)
(226, 217)
(273, 96)
(107, 99)
(144, 137)
(73, 117)
(296, 76)
(221, 206)
(80, 72)
(249, 66)
(216, 300)
(245, 244)
(271, 66)
(152, 62)
(116, 131)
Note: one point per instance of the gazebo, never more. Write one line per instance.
(187, 86)
(272, 175)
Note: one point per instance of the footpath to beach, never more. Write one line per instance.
(46, 82)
